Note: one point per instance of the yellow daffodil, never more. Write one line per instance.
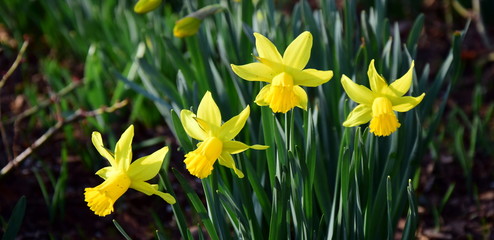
(284, 74)
(216, 138)
(378, 104)
(121, 175)
(144, 6)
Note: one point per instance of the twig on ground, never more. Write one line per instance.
(15, 64)
(79, 114)
(2, 83)
(46, 102)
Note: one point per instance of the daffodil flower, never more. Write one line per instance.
(122, 175)
(215, 138)
(284, 74)
(378, 104)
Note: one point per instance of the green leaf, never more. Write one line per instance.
(121, 230)
(15, 220)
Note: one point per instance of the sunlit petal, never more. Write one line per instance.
(302, 97)
(376, 81)
(234, 147)
(266, 49)
(401, 85)
(254, 72)
(98, 144)
(226, 160)
(311, 77)
(403, 104)
(209, 111)
(147, 167)
(261, 96)
(356, 92)
(297, 54)
(150, 189)
(123, 150)
(106, 172)
(360, 115)
(191, 126)
(233, 126)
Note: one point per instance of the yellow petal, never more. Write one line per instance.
(150, 189)
(360, 115)
(233, 126)
(266, 48)
(254, 72)
(191, 126)
(302, 97)
(261, 96)
(147, 167)
(403, 104)
(105, 172)
(227, 160)
(98, 144)
(144, 6)
(311, 77)
(377, 83)
(234, 147)
(209, 111)
(123, 150)
(401, 85)
(356, 92)
(297, 54)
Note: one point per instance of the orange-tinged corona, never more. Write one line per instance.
(384, 120)
(200, 162)
(101, 198)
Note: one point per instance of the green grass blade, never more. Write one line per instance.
(15, 220)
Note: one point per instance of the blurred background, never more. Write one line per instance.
(58, 62)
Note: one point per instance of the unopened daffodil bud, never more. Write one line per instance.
(186, 27)
(189, 25)
(144, 6)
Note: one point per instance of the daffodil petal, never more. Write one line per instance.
(209, 111)
(150, 189)
(311, 77)
(98, 144)
(226, 160)
(123, 150)
(254, 72)
(266, 49)
(403, 104)
(260, 98)
(356, 92)
(297, 54)
(233, 126)
(105, 172)
(147, 167)
(360, 115)
(234, 147)
(191, 126)
(302, 97)
(401, 85)
(377, 82)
